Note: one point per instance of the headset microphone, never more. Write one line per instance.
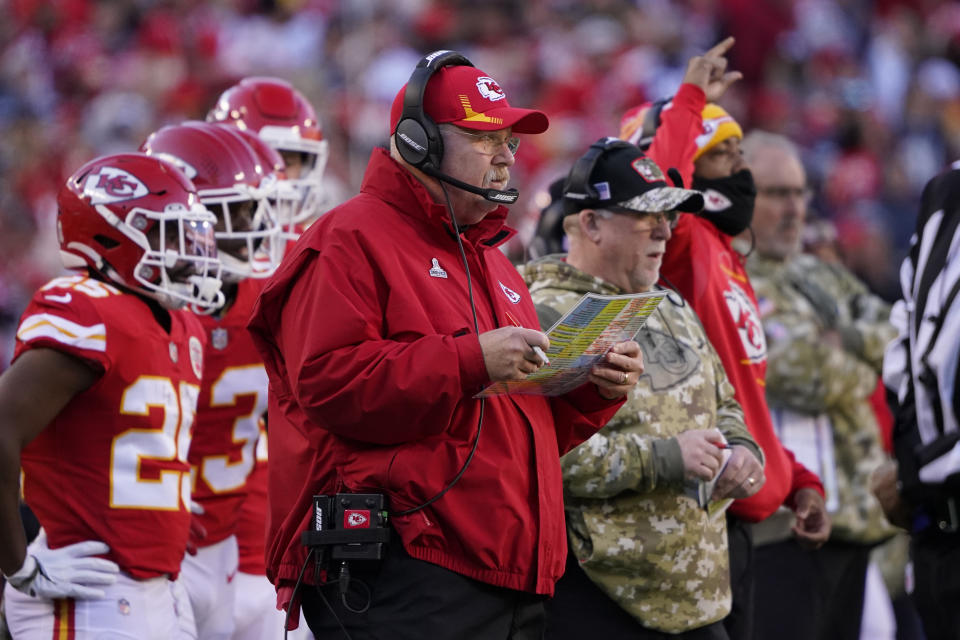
(508, 196)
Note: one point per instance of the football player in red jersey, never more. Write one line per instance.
(285, 120)
(98, 408)
(285, 200)
(237, 182)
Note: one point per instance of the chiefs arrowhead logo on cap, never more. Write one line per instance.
(489, 89)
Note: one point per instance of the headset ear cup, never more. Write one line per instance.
(417, 136)
(412, 142)
(436, 144)
(651, 122)
(578, 180)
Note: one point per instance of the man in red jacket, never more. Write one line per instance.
(701, 141)
(391, 313)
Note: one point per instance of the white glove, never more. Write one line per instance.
(65, 572)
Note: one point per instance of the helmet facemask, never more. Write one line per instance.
(248, 232)
(179, 264)
(303, 197)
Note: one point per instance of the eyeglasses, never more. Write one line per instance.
(488, 142)
(657, 217)
(785, 193)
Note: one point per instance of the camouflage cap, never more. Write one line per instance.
(622, 177)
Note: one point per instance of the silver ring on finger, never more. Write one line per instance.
(623, 377)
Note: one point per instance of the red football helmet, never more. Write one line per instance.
(282, 116)
(137, 221)
(268, 156)
(235, 185)
(287, 197)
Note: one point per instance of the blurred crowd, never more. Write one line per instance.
(870, 90)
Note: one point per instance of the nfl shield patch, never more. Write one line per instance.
(219, 338)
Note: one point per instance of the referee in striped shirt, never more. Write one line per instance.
(920, 372)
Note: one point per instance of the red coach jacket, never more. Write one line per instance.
(368, 338)
(701, 263)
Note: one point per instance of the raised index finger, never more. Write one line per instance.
(720, 48)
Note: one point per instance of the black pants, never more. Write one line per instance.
(739, 624)
(936, 570)
(414, 600)
(581, 611)
(806, 595)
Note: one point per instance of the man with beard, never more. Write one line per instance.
(826, 334)
(692, 139)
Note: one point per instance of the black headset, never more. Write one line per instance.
(417, 135)
(549, 236)
(651, 121)
(577, 188)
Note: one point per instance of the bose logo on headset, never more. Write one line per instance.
(436, 54)
(418, 137)
(411, 142)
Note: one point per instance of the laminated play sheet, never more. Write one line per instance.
(580, 339)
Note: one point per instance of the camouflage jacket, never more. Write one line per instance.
(801, 303)
(636, 534)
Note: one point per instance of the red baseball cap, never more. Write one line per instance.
(469, 98)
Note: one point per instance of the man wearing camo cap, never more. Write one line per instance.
(645, 558)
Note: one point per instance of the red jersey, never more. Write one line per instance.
(112, 466)
(251, 527)
(233, 396)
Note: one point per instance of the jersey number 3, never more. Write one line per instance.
(220, 474)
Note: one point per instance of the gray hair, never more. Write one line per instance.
(759, 139)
